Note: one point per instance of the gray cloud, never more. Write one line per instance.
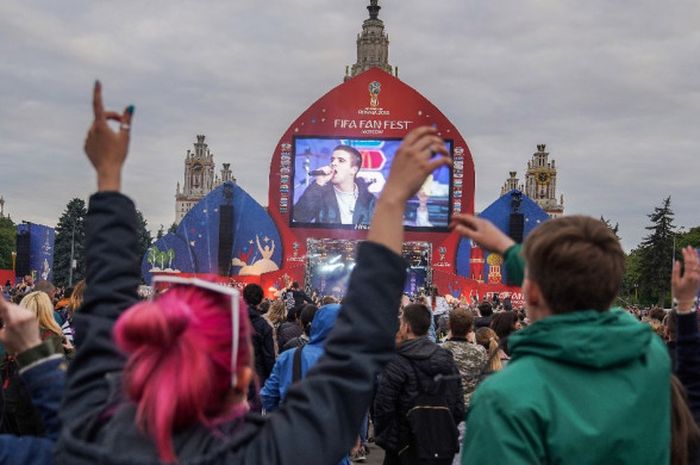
(611, 87)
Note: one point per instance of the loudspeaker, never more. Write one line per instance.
(516, 227)
(225, 238)
(22, 266)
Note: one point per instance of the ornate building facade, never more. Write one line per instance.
(540, 183)
(372, 46)
(199, 178)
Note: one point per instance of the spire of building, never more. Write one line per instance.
(200, 178)
(373, 9)
(511, 183)
(372, 45)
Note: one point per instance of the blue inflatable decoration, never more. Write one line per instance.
(226, 233)
(499, 214)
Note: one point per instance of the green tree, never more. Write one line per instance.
(172, 228)
(656, 256)
(691, 238)
(143, 235)
(152, 256)
(630, 281)
(170, 254)
(8, 236)
(160, 233)
(70, 230)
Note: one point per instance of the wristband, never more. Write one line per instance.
(693, 306)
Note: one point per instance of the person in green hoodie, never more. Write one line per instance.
(586, 384)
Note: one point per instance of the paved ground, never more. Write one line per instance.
(376, 455)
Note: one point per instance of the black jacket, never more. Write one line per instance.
(398, 388)
(687, 367)
(263, 345)
(300, 298)
(322, 414)
(688, 360)
(483, 322)
(318, 204)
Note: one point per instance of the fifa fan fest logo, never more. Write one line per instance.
(443, 253)
(295, 248)
(375, 88)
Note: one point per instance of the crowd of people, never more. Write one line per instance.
(200, 373)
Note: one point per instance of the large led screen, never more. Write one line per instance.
(335, 183)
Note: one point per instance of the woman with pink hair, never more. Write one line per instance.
(165, 381)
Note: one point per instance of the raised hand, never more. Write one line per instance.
(481, 231)
(106, 149)
(20, 328)
(685, 288)
(413, 162)
(323, 179)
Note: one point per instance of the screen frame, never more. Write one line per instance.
(352, 227)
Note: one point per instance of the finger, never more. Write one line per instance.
(113, 115)
(431, 142)
(417, 133)
(437, 162)
(126, 119)
(690, 257)
(97, 106)
(465, 231)
(467, 220)
(676, 274)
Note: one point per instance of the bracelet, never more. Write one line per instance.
(693, 306)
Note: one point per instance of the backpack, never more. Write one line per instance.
(434, 438)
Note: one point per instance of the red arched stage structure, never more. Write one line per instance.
(311, 229)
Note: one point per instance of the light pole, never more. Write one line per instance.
(14, 266)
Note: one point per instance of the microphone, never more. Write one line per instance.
(319, 173)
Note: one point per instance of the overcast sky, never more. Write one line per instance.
(612, 88)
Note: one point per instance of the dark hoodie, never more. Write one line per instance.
(398, 389)
(303, 432)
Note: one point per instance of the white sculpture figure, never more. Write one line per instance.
(45, 272)
(264, 265)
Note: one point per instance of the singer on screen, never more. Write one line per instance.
(337, 195)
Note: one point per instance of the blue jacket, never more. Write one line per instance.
(45, 378)
(275, 389)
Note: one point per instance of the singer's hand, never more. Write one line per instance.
(323, 179)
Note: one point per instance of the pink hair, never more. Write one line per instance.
(178, 370)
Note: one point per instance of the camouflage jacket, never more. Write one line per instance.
(470, 360)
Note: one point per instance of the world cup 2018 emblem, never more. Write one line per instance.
(295, 247)
(443, 253)
(374, 88)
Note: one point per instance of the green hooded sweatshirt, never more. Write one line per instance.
(581, 388)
